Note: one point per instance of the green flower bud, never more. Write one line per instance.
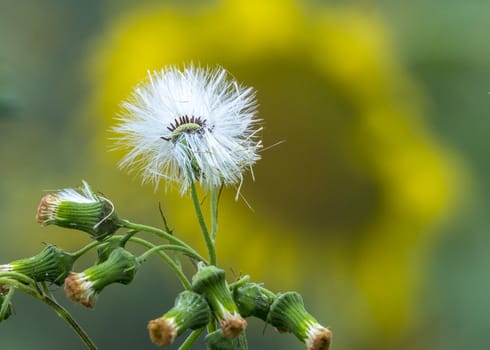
(50, 265)
(105, 249)
(217, 341)
(210, 281)
(253, 300)
(83, 287)
(79, 209)
(191, 311)
(288, 314)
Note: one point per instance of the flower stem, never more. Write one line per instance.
(60, 310)
(161, 233)
(202, 223)
(239, 282)
(178, 271)
(85, 249)
(6, 303)
(46, 291)
(158, 248)
(15, 276)
(191, 339)
(213, 202)
(64, 314)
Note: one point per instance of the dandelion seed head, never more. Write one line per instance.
(190, 125)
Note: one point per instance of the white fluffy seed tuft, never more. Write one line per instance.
(194, 125)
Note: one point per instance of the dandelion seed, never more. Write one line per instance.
(194, 125)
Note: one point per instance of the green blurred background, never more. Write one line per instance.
(374, 207)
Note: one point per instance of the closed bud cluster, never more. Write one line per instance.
(253, 300)
(210, 281)
(79, 209)
(288, 314)
(191, 311)
(50, 265)
(83, 287)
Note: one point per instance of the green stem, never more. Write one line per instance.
(180, 274)
(16, 276)
(19, 277)
(267, 292)
(123, 238)
(85, 249)
(160, 233)
(19, 285)
(46, 290)
(6, 303)
(62, 312)
(213, 202)
(212, 325)
(191, 339)
(240, 282)
(157, 248)
(202, 223)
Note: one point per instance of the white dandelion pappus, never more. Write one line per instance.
(191, 125)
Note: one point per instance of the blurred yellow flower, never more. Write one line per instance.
(351, 200)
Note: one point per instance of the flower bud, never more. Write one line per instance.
(50, 265)
(288, 314)
(79, 209)
(105, 249)
(83, 287)
(217, 341)
(190, 311)
(253, 300)
(210, 281)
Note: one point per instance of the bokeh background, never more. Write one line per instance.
(374, 207)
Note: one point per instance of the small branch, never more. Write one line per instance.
(62, 312)
(164, 219)
(65, 315)
(202, 223)
(6, 303)
(239, 282)
(162, 234)
(178, 271)
(46, 290)
(18, 277)
(158, 248)
(191, 339)
(213, 202)
(85, 249)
